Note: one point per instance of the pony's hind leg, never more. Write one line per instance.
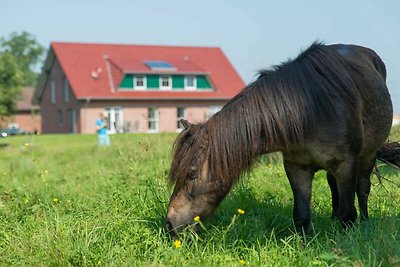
(300, 178)
(335, 194)
(364, 186)
(345, 173)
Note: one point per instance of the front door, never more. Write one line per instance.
(115, 120)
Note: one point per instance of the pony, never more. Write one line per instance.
(329, 109)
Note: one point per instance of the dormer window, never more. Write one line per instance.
(165, 82)
(190, 82)
(140, 82)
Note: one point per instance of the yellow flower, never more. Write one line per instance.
(242, 262)
(4, 173)
(177, 243)
(55, 199)
(196, 218)
(26, 144)
(240, 211)
(46, 171)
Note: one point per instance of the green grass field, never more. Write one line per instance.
(66, 202)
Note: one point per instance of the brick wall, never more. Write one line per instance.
(56, 117)
(135, 113)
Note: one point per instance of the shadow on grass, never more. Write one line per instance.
(263, 218)
(4, 145)
(269, 219)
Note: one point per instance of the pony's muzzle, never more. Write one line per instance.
(169, 226)
(171, 229)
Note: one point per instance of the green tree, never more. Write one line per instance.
(11, 82)
(28, 53)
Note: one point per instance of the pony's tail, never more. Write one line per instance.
(390, 154)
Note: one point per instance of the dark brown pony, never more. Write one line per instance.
(327, 109)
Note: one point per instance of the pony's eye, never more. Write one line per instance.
(191, 195)
(192, 175)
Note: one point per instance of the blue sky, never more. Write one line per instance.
(253, 34)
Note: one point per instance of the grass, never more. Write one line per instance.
(66, 202)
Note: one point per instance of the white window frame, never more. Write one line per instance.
(169, 87)
(180, 127)
(53, 89)
(135, 80)
(115, 119)
(155, 119)
(66, 90)
(190, 88)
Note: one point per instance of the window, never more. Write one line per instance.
(159, 65)
(165, 82)
(60, 117)
(53, 91)
(153, 120)
(190, 82)
(140, 82)
(180, 114)
(66, 90)
(72, 121)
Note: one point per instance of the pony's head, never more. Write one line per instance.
(195, 192)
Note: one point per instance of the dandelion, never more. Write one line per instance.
(242, 262)
(55, 199)
(26, 144)
(177, 244)
(46, 171)
(4, 173)
(240, 211)
(196, 219)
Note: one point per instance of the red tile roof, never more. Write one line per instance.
(25, 103)
(86, 68)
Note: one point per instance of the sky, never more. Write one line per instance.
(253, 34)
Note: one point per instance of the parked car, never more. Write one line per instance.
(12, 131)
(3, 134)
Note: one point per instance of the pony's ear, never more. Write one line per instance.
(185, 123)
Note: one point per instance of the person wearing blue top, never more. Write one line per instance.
(101, 128)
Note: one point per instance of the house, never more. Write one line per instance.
(27, 117)
(142, 88)
(396, 119)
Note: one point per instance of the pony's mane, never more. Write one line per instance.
(279, 109)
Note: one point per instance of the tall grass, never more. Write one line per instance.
(66, 202)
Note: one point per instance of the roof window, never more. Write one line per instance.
(159, 65)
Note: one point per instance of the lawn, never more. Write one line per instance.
(66, 202)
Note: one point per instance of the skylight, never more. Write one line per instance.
(159, 65)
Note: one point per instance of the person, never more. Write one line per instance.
(101, 128)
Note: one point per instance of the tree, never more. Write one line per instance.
(28, 53)
(11, 82)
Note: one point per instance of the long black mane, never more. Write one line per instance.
(277, 111)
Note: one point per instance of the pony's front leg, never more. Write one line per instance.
(300, 178)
